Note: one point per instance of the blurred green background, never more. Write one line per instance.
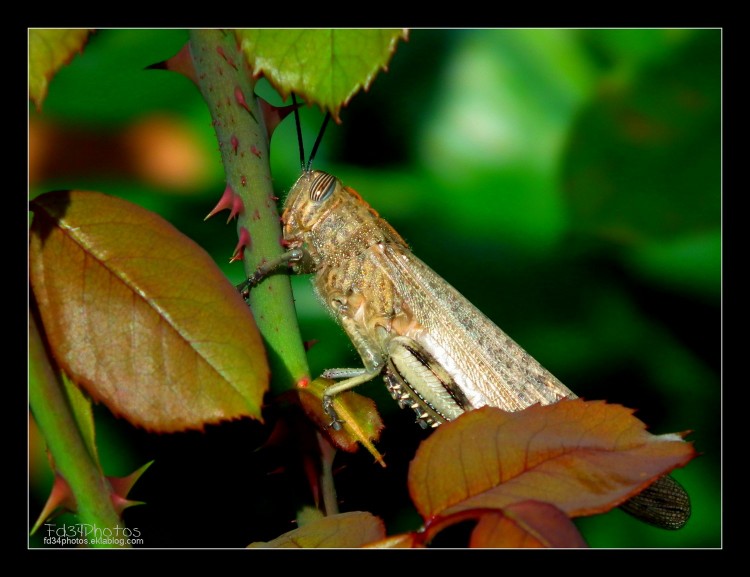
(568, 182)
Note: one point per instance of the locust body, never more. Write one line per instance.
(437, 353)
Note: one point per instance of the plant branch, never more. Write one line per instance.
(73, 461)
(228, 88)
(327, 486)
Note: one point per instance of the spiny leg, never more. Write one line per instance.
(355, 378)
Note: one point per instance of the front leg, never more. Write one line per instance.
(296, 257)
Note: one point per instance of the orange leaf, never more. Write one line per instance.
(362, 422)
(345, 530)
(524, 525)
(140, 316)
(583, 457)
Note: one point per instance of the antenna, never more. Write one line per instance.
(317, 140)
(299, 134)
(306, 166)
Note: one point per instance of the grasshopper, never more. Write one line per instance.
(437, 353)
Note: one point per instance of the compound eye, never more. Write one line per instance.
(322, 187)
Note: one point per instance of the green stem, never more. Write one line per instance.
(327, 486)
(73, 461)
(228, 88)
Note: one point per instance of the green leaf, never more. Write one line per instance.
(325, 66)
(345, 530)
(582, 457)
(140, 316)
(80, 405)
(49, 50)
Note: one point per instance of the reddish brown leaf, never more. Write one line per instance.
(583, 457)
(362, 422)
(528, 524)
(140, 316)
(346, 530)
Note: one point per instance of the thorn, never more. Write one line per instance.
(243, 180)
(61, 498)
(242, 243)
(225, 202)
(238, 207)
(229, 61)
(273, 115)
(235, 143)
(310, 344)
(240, 98)
(303, 382)
(182, 62)
(121, 504)
(255, 151)
(123, 485)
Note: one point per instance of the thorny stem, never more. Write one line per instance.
(73, 461)
(228, 88)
